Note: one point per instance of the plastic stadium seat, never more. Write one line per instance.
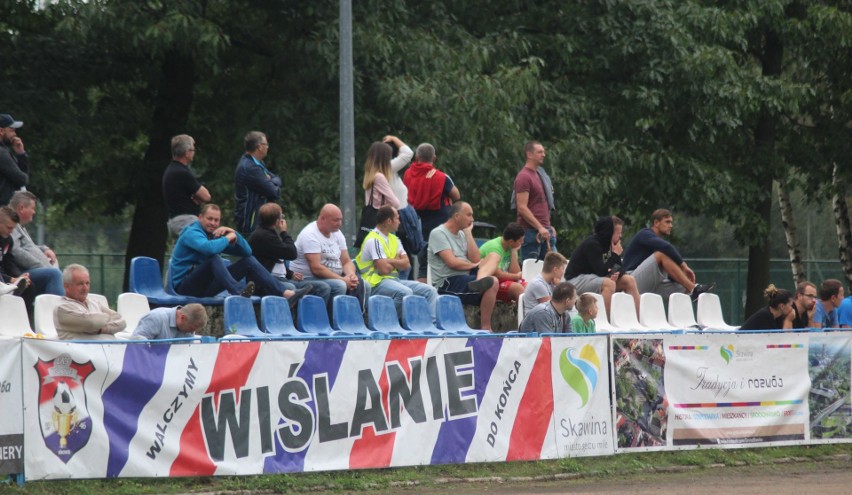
(601, 321)
(101, 299)
(623, 314)
(14, 321)
(710, 313)
(652, 313)
(132, 307)
(43, 314)
(417, 318)
(146, 279)
(681, 314)
(276, 318)
(240, 319)
(531, 269)
(382, 318)
(347, 316)
(451, 317)
(428, 275)
(313, 318)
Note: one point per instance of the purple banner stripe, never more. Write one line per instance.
(455, 436)
(141, 376)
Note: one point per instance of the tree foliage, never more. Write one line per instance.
(698, 106)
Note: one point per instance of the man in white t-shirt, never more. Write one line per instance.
(381, 260)
(322, 254)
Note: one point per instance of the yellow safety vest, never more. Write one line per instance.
(368, 268)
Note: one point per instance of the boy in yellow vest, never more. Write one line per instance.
(381, 259)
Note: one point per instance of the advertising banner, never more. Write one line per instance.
(829, 371)
(737, 389)
(139, 409)
(12, 424)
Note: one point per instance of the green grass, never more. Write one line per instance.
(382, 479)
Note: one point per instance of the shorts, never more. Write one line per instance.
(457, 286)
(503, 290)
(587, 282)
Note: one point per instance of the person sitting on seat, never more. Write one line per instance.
(508, 272)
(171, 323)
(540, 289)
(771, 317)
(554, 315)
(382, 258)
(81, 317)
(587, 311)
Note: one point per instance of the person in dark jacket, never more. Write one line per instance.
(595, 265)
(272, 245)
(658, 266)
(14, 162)
(254, 184)
(771, 317)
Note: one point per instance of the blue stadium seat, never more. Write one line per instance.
(146, 279)
(313, 318)
(347, 317)
(381, 311)
(276, 319)
(451, 317)
(417, 318)
(239, 317)
(210, 301)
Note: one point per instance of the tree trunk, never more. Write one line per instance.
(790, 233)
(173, 100)
(771, 58)
(844, 227)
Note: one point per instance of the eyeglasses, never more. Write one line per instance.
(809, 296)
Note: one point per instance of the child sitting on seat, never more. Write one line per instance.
(587, 309)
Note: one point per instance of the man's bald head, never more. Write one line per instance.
(330, 219)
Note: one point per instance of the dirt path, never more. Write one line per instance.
(833, 477)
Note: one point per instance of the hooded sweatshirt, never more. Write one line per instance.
(594, 255)
(423, 193)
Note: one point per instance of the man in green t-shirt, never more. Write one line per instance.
(508, 273)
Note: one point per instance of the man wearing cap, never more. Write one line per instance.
(14, 164)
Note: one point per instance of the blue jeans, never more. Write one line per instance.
(318, 288)
(47, 281)
(532, 248)
(396, 289)
(213, 276)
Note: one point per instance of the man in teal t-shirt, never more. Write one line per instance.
(508, 268)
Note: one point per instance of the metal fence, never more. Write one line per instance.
(729, 274)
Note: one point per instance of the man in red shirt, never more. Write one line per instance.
(533, 198)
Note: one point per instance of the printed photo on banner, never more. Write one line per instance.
(829, 369)
(641, 411)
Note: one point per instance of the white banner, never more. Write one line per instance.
(12, 424)
(737, 389)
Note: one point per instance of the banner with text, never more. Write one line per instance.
(139, 409)
(12, 425)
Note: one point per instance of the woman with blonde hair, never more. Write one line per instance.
(377, 177)
(771, 317)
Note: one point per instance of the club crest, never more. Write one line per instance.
(63, 410)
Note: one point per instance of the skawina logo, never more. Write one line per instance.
(727, 352)
(581, 372)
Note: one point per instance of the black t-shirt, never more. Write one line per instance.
(762, 319)
(799, 320)
(178, 187)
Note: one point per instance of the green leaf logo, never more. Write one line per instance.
(581, 373)
(727, 352)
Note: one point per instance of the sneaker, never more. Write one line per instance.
(299, 293)
(22, 286)
(248, 291)
(481, 285)
(701, 289)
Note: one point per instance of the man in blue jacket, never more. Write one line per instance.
(254, 184)
(198, 270)
(656, 265)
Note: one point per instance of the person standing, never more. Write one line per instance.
(532, 196)
(182, 191)
(39, 261)
(14, 162)
(431, 193)
(254, 184)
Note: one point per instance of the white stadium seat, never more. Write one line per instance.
(652, 313)
(710, 313)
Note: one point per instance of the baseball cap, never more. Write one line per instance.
(6, 120)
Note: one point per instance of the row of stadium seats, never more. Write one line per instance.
(652, 313)
(276, 321)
